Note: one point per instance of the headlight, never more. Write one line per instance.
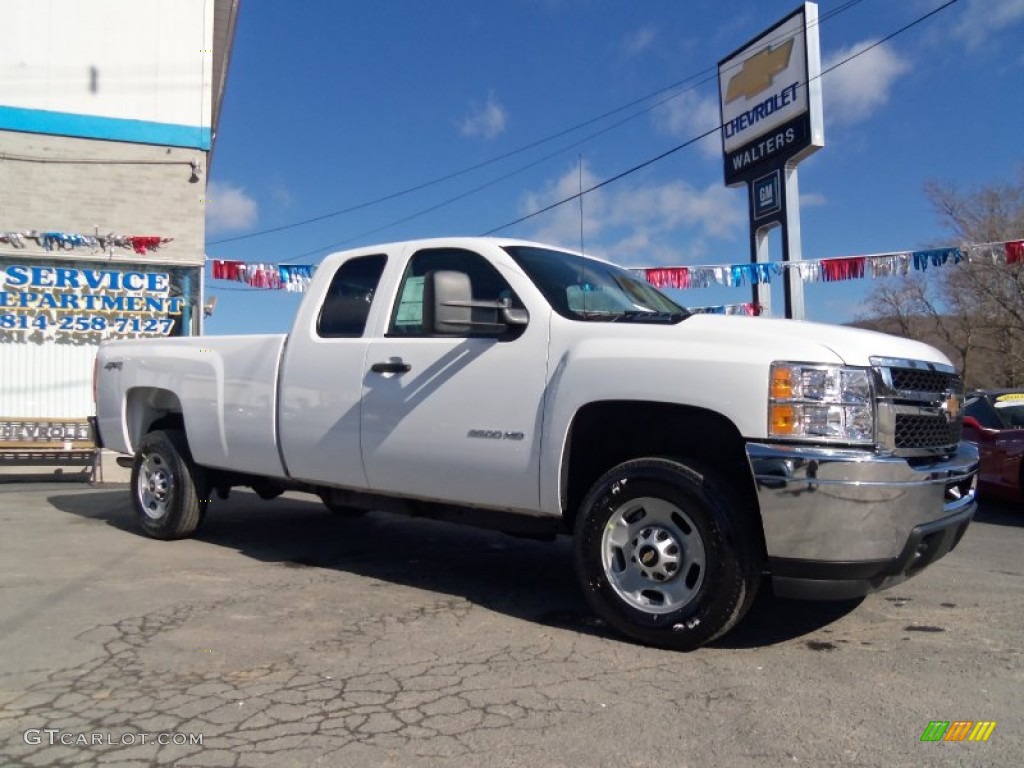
(821, 402)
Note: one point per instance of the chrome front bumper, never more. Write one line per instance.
(842, 522)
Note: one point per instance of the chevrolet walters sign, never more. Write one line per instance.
(757, 73)
(770, 97)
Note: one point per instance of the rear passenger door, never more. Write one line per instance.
(323, 377)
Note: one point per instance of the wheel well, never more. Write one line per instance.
(605, 434)
(149, 408)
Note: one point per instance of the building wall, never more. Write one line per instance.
(107, 108)
(46, 381)
(131, 70)
(86, 186)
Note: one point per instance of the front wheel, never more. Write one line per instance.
(665, 555)
(169, 491)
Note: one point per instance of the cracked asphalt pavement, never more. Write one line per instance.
(285, 636)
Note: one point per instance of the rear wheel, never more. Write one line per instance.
(665, 555)
(170, 493)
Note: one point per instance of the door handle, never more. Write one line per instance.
(396, 365)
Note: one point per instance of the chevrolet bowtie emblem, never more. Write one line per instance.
(759, 71)
(951, 406)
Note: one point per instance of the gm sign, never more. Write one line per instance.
(767, 194)
(770, 97)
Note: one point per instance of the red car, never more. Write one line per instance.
(994, 421)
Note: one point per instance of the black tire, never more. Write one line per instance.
(665, 554)
(169, 491)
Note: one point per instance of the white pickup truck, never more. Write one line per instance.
(526, 388)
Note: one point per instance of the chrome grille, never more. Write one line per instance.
(918, 407)
(914, 380)
(926, 431)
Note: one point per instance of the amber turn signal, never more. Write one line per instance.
(782, 383)
(783, 419)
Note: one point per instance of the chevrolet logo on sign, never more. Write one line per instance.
(759, 71)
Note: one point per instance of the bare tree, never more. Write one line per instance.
(973, 311)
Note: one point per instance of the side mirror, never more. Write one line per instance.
(446, 303)
(448, 306)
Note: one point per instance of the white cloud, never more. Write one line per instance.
(812, 199)
(853, 91)
(983, 19)
(486, 121)
(228, 207)
(281, 194)
(688, 115)
(561, 226)
(639, 40)
(638, 222)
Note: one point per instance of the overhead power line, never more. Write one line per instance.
(555, 153)
(698, 79)
(695, 139)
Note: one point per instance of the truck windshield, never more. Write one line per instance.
(586, 289)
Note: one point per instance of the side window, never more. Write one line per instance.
(486, 282)
(347, 303)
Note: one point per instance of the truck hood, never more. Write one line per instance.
(853, 346)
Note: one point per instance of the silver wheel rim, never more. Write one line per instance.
(155, 486)
(653, 555)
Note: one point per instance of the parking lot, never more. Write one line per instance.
(285, 636)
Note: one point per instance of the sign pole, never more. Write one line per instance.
(759, 254)
(792, 253)
(770, 103)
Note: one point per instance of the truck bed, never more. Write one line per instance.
(227, 386)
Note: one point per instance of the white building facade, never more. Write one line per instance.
(108, 115)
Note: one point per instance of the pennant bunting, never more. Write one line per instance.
(69, 241)
(749, 309)
(842, 269)
(294, 278)
(875, 265)
(671, 277)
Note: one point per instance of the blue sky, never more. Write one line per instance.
(333, 105)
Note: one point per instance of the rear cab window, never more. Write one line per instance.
(349, 297)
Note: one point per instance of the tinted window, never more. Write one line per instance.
(347, 304)
(487, 285)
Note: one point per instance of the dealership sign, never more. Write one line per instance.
(76, 300)
(65, 434)
(770, 98)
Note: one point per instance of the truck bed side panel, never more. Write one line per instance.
(227, 387)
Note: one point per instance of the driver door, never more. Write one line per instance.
(454, 418)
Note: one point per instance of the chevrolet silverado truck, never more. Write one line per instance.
(537, 391)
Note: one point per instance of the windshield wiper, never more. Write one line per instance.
(651, 316)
